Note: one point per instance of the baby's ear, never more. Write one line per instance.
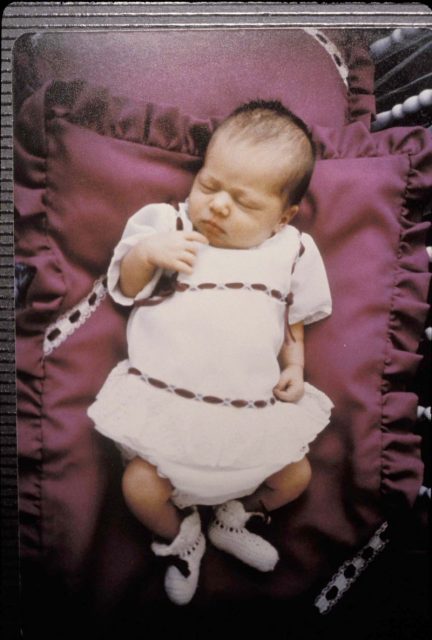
(289, 214)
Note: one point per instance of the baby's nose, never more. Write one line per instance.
(220, 204)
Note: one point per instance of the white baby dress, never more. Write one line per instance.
(195, 396)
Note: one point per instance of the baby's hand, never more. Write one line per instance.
(172, 250)
(290, 387)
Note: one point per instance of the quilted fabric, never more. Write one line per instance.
(85, 161)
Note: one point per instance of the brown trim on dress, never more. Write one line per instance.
(190, 395)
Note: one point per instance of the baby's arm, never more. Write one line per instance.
(172, 250)
(290, 387)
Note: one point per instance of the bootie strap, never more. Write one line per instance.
(258, 520)
(175, 561)
(265, 513)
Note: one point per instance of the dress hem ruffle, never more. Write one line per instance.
(190, 442)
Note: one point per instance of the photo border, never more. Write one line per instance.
(21, 18)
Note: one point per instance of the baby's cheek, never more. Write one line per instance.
(196, 207)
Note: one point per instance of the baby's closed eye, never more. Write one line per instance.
(206, 186)
(247, 204)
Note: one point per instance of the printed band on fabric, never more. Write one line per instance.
(169, 286)
(69, 322)
(255, 286)
(191, 395)
(350, 570)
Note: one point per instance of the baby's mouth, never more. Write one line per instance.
(212, 226)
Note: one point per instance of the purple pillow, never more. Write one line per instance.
(85, 161)
(324, 76)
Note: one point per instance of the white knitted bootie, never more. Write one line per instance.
(183, 556)
(228, 532)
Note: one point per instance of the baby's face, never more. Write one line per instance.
(236, 199)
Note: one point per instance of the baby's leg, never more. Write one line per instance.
(148, 496)
(280, 488)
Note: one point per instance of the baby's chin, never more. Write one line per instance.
(223, 244)
(236, 247)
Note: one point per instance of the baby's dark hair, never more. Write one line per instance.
(264, 121)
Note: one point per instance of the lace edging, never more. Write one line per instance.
(65, 325)
(350, 570)
(332, 50)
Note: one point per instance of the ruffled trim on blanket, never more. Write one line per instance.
(405, 327)
(43, 299)
(168, 128)
(356, 141)
(162, 126)
(34, 247)
(401, 465)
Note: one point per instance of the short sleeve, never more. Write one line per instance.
(152, 218)
(309, 285)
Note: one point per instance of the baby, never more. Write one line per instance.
(211, 407)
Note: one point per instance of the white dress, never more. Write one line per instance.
(195, 396)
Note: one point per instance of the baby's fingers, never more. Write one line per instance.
(286, 395)
(289, 391)
(183, 267)
(188, 257)
(196, 236)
